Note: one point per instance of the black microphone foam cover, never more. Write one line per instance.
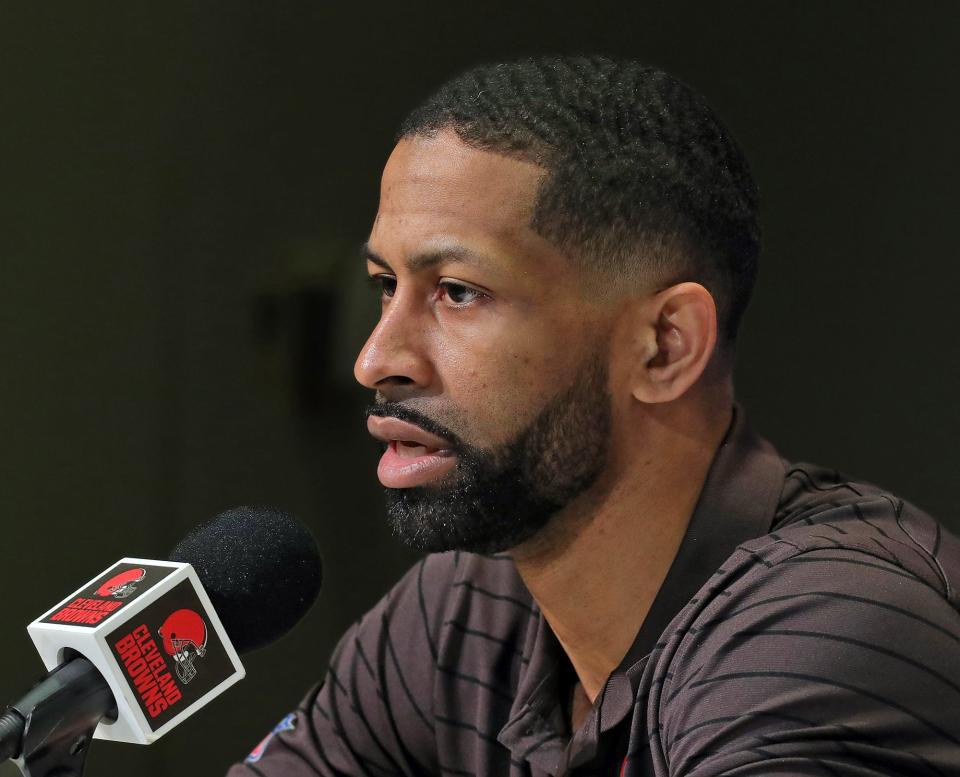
(260, 568)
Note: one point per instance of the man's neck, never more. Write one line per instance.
(598, 571)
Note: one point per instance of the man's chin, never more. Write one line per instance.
(426, 519)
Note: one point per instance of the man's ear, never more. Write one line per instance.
(677, 340)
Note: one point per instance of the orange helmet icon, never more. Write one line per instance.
(121, 585)
(185, 638)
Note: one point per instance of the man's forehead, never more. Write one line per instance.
(445, 175)
(440, 190)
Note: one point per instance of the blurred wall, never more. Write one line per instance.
(182, 191)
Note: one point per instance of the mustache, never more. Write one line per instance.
(404, 413)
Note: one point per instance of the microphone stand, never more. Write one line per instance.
(48, 732)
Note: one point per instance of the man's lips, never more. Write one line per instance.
(413, 456)
(390, 429)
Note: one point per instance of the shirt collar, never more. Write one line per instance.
(737, 503)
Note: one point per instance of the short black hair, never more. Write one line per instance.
(641, 175)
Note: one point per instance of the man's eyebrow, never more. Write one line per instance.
(428, 259)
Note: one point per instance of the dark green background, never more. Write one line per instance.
(183, 187)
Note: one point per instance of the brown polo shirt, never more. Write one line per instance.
(808, 626)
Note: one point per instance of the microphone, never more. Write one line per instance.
(147, 643)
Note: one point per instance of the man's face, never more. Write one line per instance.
(489, 359)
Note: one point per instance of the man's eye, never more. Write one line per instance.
(459, 294)
(385, 284)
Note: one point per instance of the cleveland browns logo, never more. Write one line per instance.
(121, 585)
(185, 638)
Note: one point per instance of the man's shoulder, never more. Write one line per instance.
(833, 638)
(835, 520)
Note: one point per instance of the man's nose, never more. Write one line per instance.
(394, 352)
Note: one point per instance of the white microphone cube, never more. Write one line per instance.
(150, 629)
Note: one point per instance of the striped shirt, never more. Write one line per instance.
(809, 625)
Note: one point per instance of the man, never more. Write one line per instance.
(624, 579)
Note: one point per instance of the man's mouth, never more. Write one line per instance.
(410, 450)
(413, 456)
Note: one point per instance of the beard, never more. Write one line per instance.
(494, 500)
